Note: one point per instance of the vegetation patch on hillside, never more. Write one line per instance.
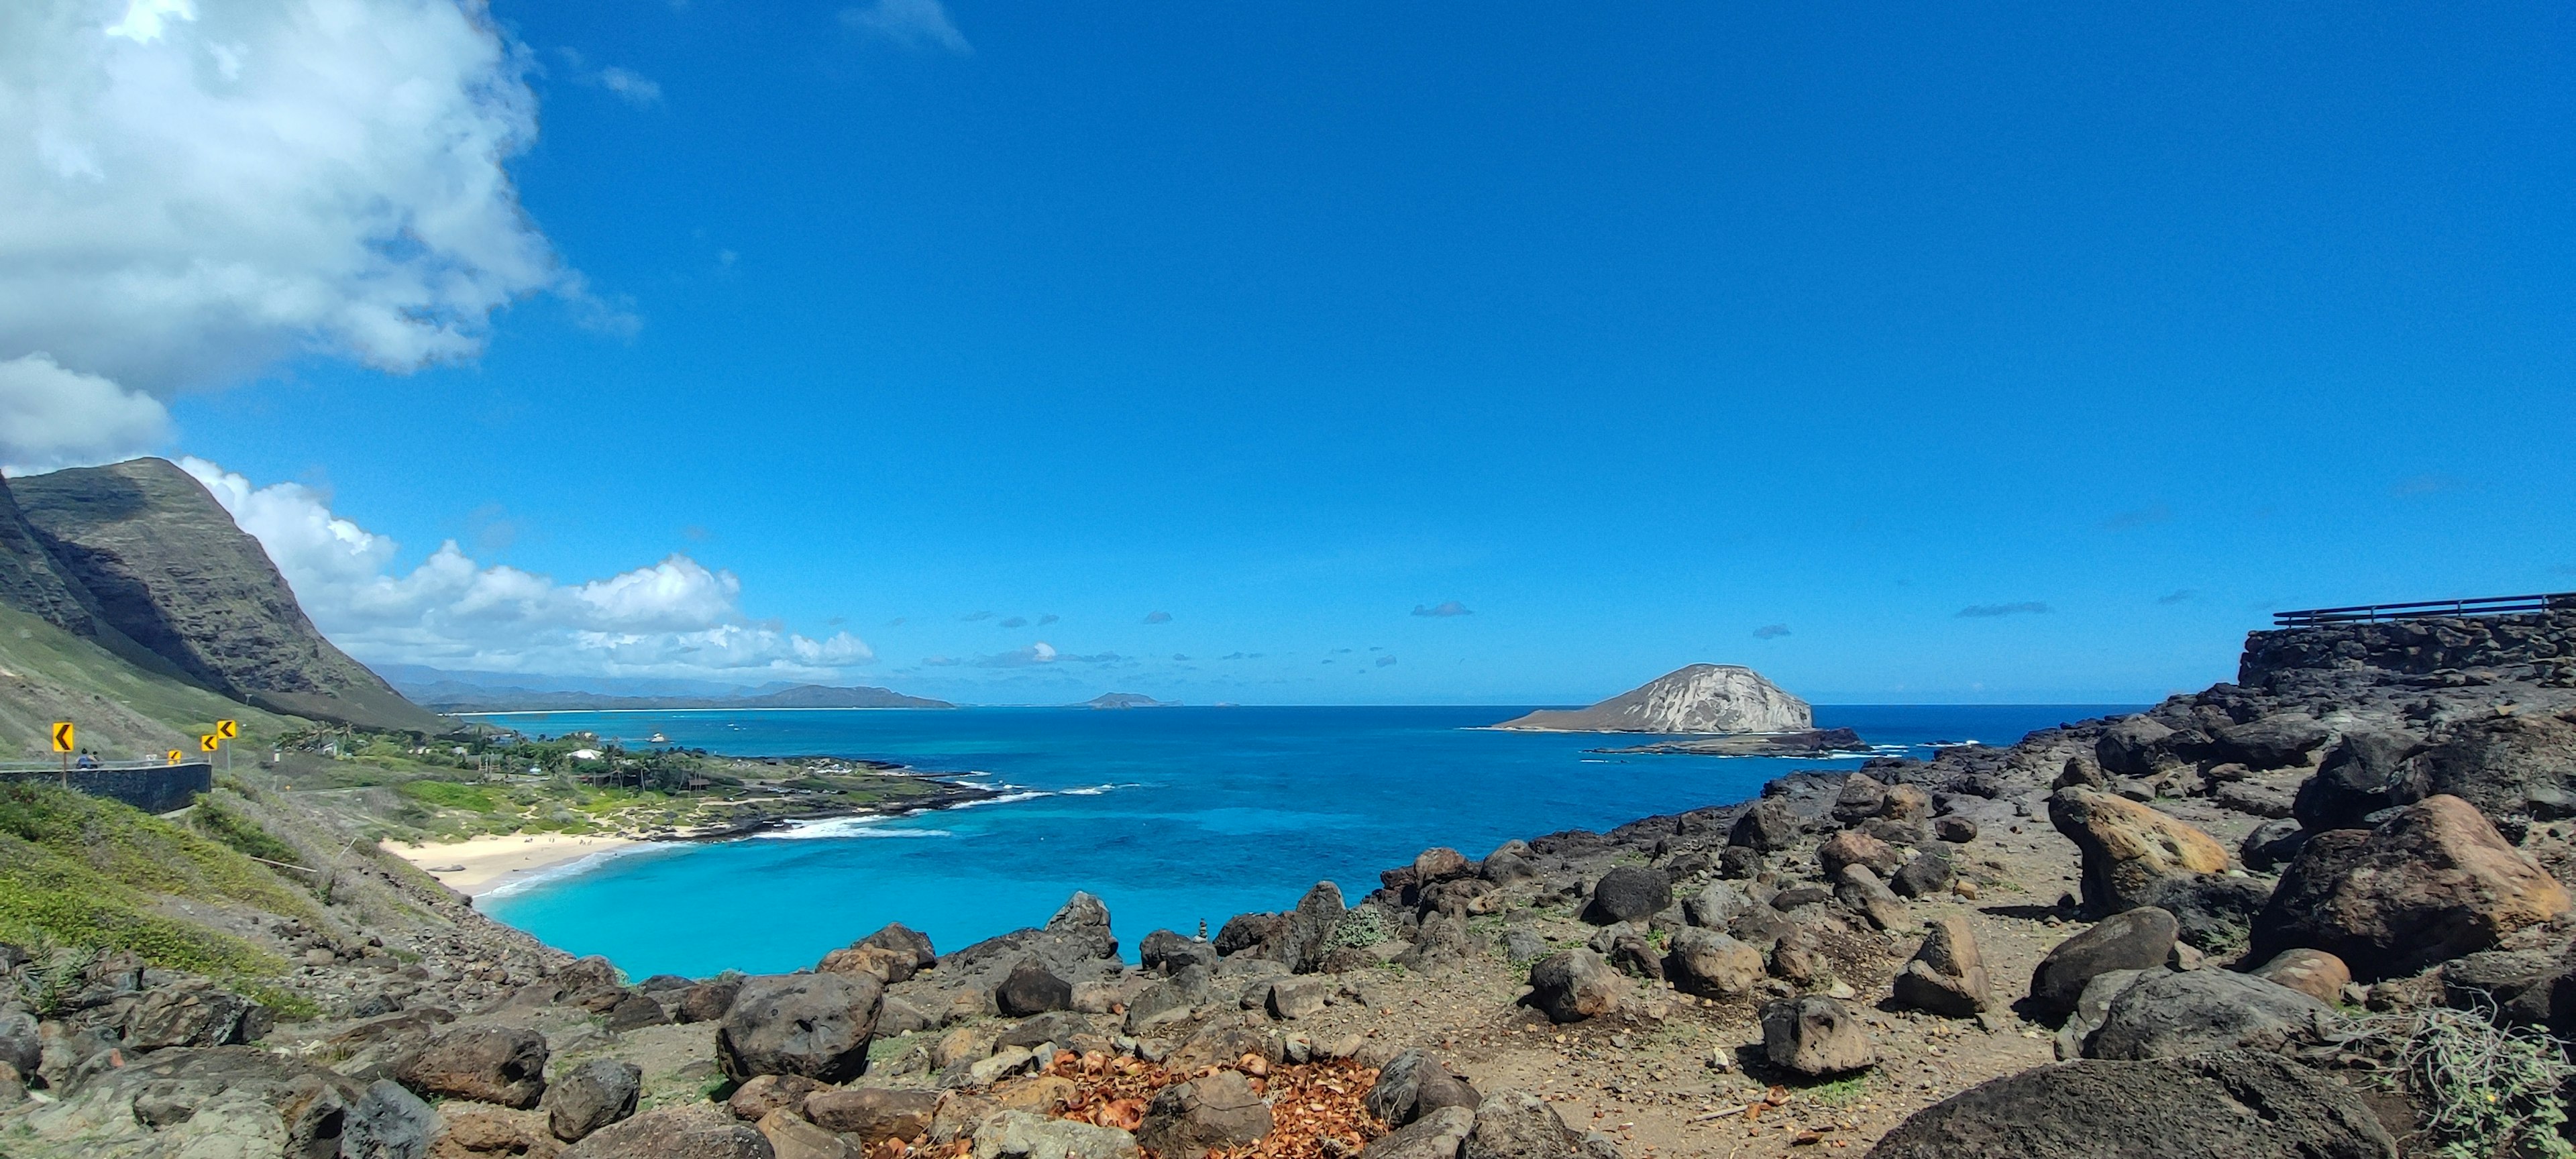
(78, 871)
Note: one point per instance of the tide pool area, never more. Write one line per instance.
(1173, 816)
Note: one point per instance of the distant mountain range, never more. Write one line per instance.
(461, 696)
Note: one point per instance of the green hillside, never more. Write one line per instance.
(123, 711)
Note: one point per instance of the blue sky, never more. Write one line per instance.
(1905, 353)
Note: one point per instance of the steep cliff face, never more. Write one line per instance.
(1702, 698)
(164, 566)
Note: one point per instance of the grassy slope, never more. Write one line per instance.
(47, 674)
(84, 871)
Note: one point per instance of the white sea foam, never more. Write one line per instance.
(1097, 790)
(1006, 798)
(844, 827)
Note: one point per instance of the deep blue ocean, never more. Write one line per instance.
(1172, 815)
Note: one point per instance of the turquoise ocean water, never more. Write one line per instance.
(1172, 816)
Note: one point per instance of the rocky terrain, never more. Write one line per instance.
(1700, 698)
(2321, 911)
(138, 558)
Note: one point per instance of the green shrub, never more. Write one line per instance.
(449, 795)
(1363, 926)
(85, 873)
(214, 819)
(2483, 1090)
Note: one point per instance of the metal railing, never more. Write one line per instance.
(2421, 609)
(55, 768)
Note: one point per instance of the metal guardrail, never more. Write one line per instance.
(2421, 609)
(55, 768)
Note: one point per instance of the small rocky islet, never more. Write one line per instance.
(2224, 926)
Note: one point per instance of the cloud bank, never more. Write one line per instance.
(1770, 631)
(1444, 609)
(189, 193)
(673, 618)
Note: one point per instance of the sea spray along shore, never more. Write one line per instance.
(2208, 929)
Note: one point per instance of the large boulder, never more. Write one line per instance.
(2315, 973)
(1310, 926)
(1441, 864)
(1032, 989)
(2168, 1015)
(2129, 848)
(1628, 893)
(813, 1025)
(2279, 741)
(1852, 847)
(1816, 1036)
(685, 1131)
(590, 1096)
(2363, 773)
(1021, 1135)
(1414, 1084)
(1188, 1120)
(793, 1138)
(1572, 985)
(1947, 975)
(488, 1064)
(1715, 905)
(1711, 964)
(1169, 1000)
(1928, 875)
(874, 1114)
(1862, 891)
(2516, 769)
(887, 965)
(1166, 952)
(2134, 746)
(1768, 825)
(222, 1101)
(197, 1015)
(904, 940)
(2432, 883)
(708, 1000)
(2137, 939)
(2216, 911)
(1520, 1125)
(2228, 1105)
(1861, 798)
(1437, 1135)
(388, 1122)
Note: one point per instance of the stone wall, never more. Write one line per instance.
(2538, 646)
(159, 789)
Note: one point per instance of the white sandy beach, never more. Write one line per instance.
(479, 865)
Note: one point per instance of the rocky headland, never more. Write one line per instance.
(1700, 698)
(2319, 911)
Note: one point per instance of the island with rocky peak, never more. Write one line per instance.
(1720, 699)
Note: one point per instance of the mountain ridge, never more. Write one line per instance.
(139, 559)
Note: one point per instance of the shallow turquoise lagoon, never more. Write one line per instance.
(1173, 816)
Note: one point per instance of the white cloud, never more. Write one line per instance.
(910, 23)
(673, 618)
(630, 86)
(51, 417)
(189, 194)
